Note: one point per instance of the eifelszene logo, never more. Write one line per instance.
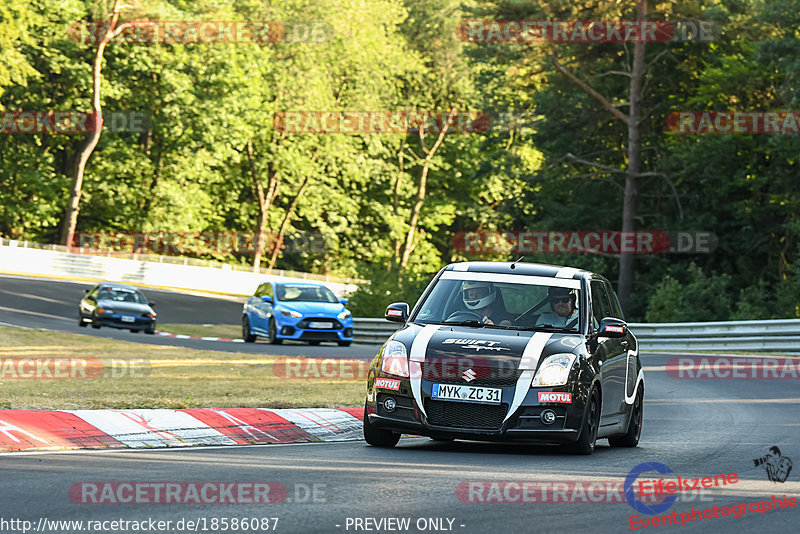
(778, 467)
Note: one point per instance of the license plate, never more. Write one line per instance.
(318, 324)
(128, 319)
(467, 393)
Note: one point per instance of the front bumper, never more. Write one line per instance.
(139, 323)
(481, 422)
(300, 330)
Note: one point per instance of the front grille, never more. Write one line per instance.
(465, 414)
(448, 373)
(335, 326)
(310, 335)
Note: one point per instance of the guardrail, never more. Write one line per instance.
(752, 336)
(25, 257)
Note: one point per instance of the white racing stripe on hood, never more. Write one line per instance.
(533, 350)
(418, 349)
(530, 359)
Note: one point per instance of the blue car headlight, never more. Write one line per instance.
(344, 315)
(291, 313)
(554, 371)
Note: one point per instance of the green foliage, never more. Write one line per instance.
(693, 297)
(190, 171)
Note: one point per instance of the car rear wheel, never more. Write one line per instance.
(631, 437)
(344, 343)
(273, 333)
(246, 334)
(378, 437)
(134, 331)
(588, 437)
(81, 322)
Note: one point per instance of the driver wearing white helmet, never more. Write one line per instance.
(480, 298)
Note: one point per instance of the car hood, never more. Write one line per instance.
(486, 347)
(124, 307)
(314, 309)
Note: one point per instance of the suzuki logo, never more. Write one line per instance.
(468, 375)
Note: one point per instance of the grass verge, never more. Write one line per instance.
(136, 375)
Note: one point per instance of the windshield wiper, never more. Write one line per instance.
(473, 323)
(549, 328)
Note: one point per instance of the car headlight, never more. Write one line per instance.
(395, 359)
(554, 371)
(344, 315)
(291, 313)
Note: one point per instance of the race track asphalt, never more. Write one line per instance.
(53, 304)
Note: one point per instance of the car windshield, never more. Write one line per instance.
(304, 293)
(503, 301)
(121, 294)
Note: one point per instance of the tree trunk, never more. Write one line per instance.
(626, 261)
(265, 200)
(423, 181)
(285, 222)
(82, 158)
(395, 197)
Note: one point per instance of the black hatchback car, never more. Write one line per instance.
(509, 352)
(118, 306)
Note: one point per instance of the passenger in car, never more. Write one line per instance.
(563, 302)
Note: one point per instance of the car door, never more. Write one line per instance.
(258, 319)
(629, 344)
(88, 304)
(614, 357)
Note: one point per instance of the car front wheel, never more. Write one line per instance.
(273, 333)
(378, 437)
(631, 437)
(246, 334)
(588, 437)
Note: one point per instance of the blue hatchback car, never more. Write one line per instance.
(296, 310)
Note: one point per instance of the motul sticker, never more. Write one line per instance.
(617, 329)
(394, 313)
(549, 396)
(387, 383)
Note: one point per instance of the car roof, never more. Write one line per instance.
(521, 268)
(117, 284)
(308, 284)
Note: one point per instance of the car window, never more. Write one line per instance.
(519, 299)
(600, 305)
(121, 294)
(305, 293)
(262, 290)
(267, 290)
(616, 309)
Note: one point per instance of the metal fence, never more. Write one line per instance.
(751, 336)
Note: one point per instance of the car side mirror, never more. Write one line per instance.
(397, 312)
(266, 299)
(343, 301)
(86, 291)
(612, 327)
(151, 304)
